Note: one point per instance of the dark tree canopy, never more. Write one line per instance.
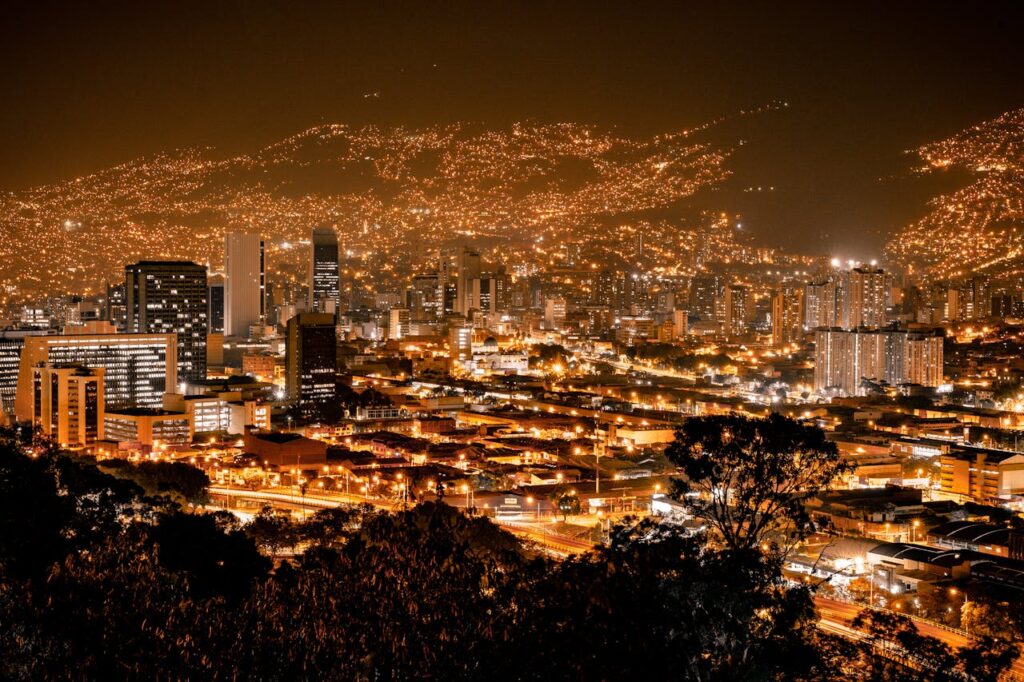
(749, 478)
(100, 581)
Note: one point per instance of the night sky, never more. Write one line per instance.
(87, 86)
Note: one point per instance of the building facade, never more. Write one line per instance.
(311, 357)
(324, 282)
(845, 359)
(139, 368)
(245, 285)
(67, 404)
(171, 297)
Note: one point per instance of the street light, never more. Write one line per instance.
(953, 592)
(530, 500)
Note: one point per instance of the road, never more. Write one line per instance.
(640, 367)
(834, 616)
(838, 614)
(553, 543)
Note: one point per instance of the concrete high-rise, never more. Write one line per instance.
(245, 283)
(324, 283)
(787, 315)
(311, 357)
(67, 403)
(705, 292)
(468, 267)
(424, 297)
(116, 312)
(844, 359)
(555, 310)
(820, 305)
(736, 312)
(868, 298)
(170, 297)
(460, 343)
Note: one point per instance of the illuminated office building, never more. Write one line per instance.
(324, 287)
(170, 297)
(138, 368)
(67, 403)
(311, 357)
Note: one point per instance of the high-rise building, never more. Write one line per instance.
(311, 362)
(245, 284)
(489, 293)
(844, 359)
(604, 290)
(67, 403)
(736, 312)
(868, 297)
(460, 343)
(398, 323)
(423, 298)
(467, 268)
(324, 282)
(1004, 305)
(554, 312)
(787, 315)
(954, 309)
(11, 343)
(923, 360)
(680, 323)
(170, 297)
(215, 297)
(139, 368)
(820, 305)
(117, 312)
(980, 298)
(705, 292)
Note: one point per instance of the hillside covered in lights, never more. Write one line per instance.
(978, 228)
(392, 193)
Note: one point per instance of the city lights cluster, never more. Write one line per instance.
(385, 190)
(977, 228)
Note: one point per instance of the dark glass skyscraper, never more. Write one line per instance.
(324, 293)
(216, 297)
(312, 353)
(165, 297)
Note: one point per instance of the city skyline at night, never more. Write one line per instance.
(516, 341)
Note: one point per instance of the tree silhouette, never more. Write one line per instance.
(749, 478)
(100, 581)
(566, 501)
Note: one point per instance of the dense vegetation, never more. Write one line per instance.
(111, 576)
